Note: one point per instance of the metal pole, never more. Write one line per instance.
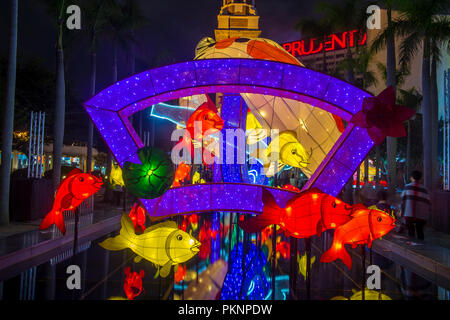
(29, 145)
(34, 146)
(42, 146)
(38, 145)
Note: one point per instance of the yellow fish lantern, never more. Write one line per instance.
(255, 130)
(302, 264)
(163, 244)
(196, 178)
(289, 151)
(115, 177)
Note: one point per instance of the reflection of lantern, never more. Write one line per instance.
(163, 244)
(302, 263)
(153, 177)
(133, 283)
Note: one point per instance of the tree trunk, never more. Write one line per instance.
(391, 143)
(436, 179)
(426, 116)
(8, 118)
(91, 125)
(60, 110)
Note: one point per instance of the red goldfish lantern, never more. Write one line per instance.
(204, 237)
(184, 224)
(207, 116)
(283, 248)
(291, 188)
(181, 174)
(365, 226)
(133, 283)
(180, 274)
(193, 221)
(72, 191)
(137, 216)
(308, 213)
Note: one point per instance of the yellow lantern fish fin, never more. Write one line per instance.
(156, 274)
(122, 240)
(165, 270)
(138, 259)
(165, 224)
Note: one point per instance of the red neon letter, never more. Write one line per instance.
(287, 47)
(340, 42)
(297, 46)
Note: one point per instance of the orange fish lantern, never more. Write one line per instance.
(308, 213)
(291, 188)
(180, 274)
(184, 224)
(181, 174)
(72, 191)
(137, 216)
(365, 226)
(133, 283)
(207, 116)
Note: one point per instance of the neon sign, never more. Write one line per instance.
(336, 41)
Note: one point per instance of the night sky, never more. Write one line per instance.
(174, 29)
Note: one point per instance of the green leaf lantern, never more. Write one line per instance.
(153, 177)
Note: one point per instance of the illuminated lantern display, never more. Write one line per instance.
(180, 274)
(133, 283)
(73, 190)
(205, 236)
(283, 249)
(365, 226)
(137, 215)
(382, 117)
(205, 115)
(291, 188)
(302, 262)
(251, 283)
(181, 174)
(307, 214)
(316, 129)
(162, 244)
(151, 178)
(193, 221)
(196, 179)
(368, 295)
(115, 178)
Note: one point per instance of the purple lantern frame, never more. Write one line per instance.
(111, 108)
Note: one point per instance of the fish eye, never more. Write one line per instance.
(379, 219)
(81, 179)
(179, 237)
(294, 151)
(333, 204)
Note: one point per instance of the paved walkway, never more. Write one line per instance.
(429, 258)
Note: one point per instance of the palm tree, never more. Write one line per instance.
(95, 20)
(421, 28)
(8, 117)
(58, 9)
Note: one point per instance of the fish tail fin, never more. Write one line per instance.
(270, 215)
(337, 251)
(54, 217)
(121, 241)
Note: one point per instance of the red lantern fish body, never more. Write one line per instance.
(204, 237)
(365, 226)
(193, 221)
(181, 174)
(73, 190)
(180, 274)
(308, 213)
(291, 188)
(206, 115)
(133, 283)
(137, 216)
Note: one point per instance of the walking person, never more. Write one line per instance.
(415, 206)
